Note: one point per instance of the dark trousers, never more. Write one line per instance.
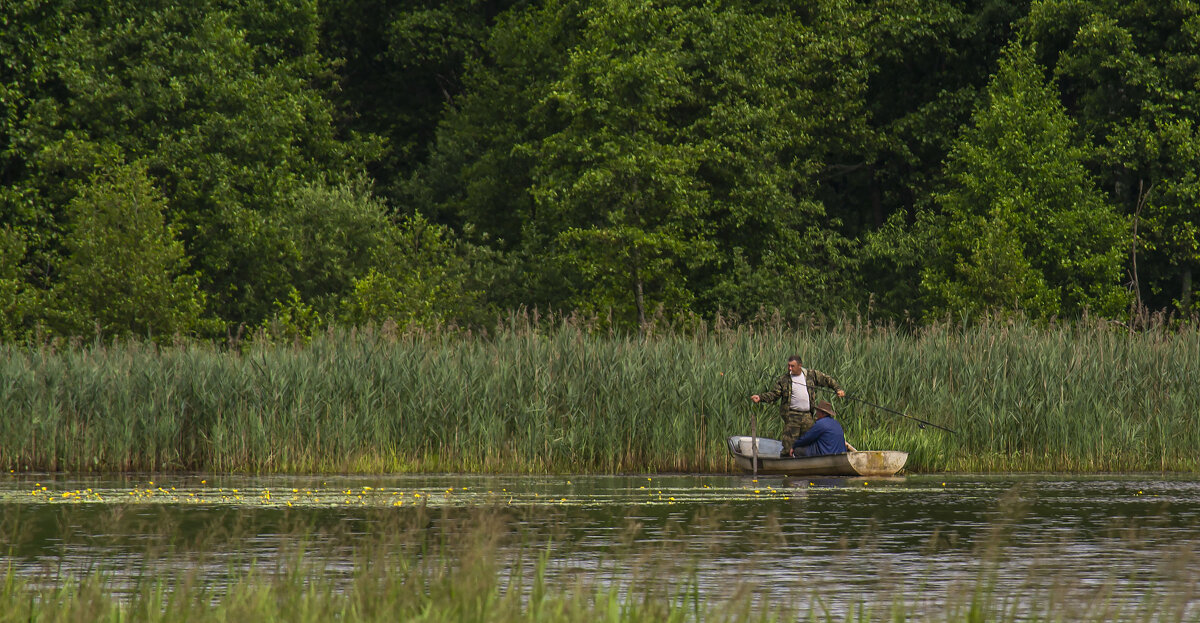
(794, 425)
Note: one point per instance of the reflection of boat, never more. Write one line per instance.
(868, 463)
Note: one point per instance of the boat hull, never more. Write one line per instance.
(867, 463)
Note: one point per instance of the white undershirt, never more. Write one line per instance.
(799, 393)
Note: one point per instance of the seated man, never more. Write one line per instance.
(825, 436)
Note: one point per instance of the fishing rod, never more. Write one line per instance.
(921, 424)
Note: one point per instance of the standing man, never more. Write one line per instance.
(794, 392)
(826, 435)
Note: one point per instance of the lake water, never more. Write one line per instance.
(1127, 542)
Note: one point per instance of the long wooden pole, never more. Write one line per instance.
(754, 440)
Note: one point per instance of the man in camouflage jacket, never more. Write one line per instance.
(794, 391)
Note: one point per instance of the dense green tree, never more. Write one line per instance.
(27, 32)
(928, 63)
(1171, 220)
(617, 183)
(603, 156)
(722, 119)
(16, 301)
(225, 104)
(1020, 225)
(400, 65)
(125, 270)
(333, 234)
(1128, 71)
(418, 278)
(479, 172)
(658, 154)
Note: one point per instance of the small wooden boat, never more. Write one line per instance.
(869, 463)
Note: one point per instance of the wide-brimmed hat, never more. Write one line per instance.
(826, 407)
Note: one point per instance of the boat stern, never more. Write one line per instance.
(742, 445)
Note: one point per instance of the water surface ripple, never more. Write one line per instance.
(924, 539)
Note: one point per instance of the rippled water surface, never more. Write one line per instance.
(851, 540)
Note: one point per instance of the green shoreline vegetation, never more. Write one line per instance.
(556, 396)
(482, 566)
(204, 168)
(290, 226)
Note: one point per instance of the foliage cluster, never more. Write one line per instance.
(218, 167)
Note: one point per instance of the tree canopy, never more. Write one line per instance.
(204, 168)
(1020, 225)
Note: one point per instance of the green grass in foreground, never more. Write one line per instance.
(556, 398)
(481, 569)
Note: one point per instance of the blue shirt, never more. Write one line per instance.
(825, 437)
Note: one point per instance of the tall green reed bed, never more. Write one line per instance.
(555, 397)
